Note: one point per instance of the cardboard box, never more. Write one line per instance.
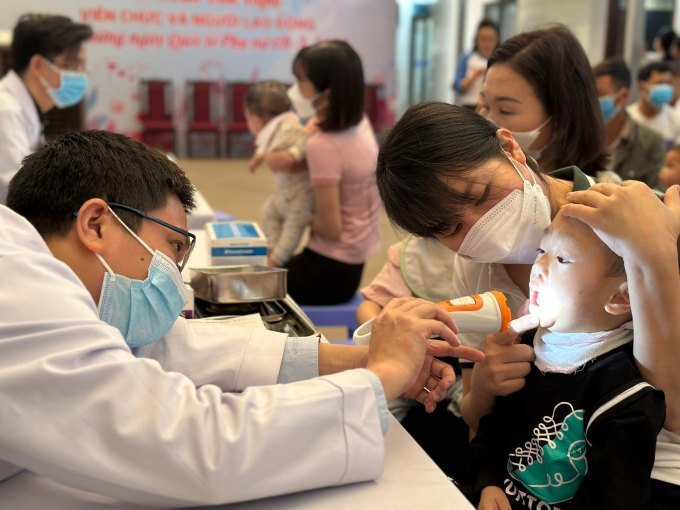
(236, 242)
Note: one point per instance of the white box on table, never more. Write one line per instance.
(236, 242)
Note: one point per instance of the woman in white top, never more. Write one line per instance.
(472, 66)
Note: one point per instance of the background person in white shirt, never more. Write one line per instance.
(472, 66)
(652, 108)
(48, 70)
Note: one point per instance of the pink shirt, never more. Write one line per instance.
(388, 283)
(348, 159)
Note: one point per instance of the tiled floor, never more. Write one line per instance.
(229, 187)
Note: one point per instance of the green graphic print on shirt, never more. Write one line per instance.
(553, 463)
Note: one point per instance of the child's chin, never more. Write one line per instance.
(546, 322)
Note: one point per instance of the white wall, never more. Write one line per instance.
(586, 18)
(444, 60)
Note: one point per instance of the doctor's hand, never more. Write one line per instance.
(622, 217)
(401, 352)
(436, 377)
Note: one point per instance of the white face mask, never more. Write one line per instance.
(303, 106)
(526, 138)
(510, 232)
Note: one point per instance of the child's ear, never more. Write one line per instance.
(619, 302)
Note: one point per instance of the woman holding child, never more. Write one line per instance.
(341, 155)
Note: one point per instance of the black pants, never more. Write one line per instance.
(317, 280)
(665, 496)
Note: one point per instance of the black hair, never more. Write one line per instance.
(433, 143)
(267, 99)
(58, 178)
(46, 35)
(645, 73)
(616, 266)
(666, 35)
(617, 69)
(486, 23)
(542, 57)
(335, 66)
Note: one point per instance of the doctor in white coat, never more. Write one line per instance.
(48, 70)
(93, 398)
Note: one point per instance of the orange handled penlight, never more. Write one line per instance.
(480, 313)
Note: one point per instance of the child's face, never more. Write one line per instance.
(568, 288)
(670, 171)
(255, 122)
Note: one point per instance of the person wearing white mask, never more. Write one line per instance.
(446, 173)
(109, 396)
(653, 109)
(636, 151)
(341, 156)
(553, 116)
(48, 71)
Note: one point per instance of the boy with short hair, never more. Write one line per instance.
(583, 430)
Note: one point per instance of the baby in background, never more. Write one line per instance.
(289, 210)
(670, 171)
(582, 432)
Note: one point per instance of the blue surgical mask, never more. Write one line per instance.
(660, 94)
(608, 107)
(71, 89)
(142, 310)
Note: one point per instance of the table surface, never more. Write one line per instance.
(410, 480)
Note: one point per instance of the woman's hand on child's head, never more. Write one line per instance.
(629, 218)
(493, 498)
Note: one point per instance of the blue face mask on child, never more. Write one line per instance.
(71, 89)
(142, 310)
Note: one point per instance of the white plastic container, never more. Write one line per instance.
(236, 243)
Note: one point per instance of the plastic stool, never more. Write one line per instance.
(344, 314)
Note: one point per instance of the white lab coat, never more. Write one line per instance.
(20, 128)
(79, 409)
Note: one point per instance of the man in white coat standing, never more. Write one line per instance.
(103, 389)
(48, 64)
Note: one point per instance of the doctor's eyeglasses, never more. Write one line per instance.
(186, 248)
